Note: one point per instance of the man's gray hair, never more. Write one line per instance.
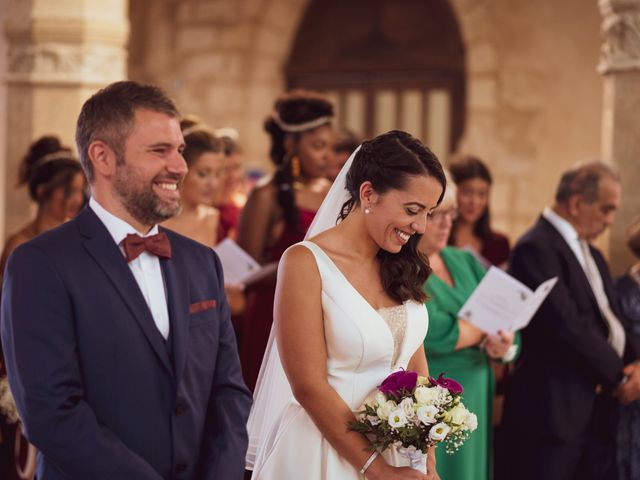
(583, 180)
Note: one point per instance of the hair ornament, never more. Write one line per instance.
(53, 156)
(198, 127)
(228, 132)
(300, 127)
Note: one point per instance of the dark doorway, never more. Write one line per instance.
(386, 64)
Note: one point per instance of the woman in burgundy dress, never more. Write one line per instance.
(279, 211)
(472, 228)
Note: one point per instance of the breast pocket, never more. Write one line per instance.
(202, 312)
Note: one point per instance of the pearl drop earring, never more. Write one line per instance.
(367, 210)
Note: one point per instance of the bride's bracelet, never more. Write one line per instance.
(369, 461)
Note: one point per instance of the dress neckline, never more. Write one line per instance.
(344, 277)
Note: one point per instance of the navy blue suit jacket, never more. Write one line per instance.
(101, 394)
(566, 358)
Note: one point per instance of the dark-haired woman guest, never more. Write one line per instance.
(279, 211)
(472, 229)
(203, 153)
(56, 184)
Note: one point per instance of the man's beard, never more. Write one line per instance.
(140, 200)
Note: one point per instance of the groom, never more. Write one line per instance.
(117, 337)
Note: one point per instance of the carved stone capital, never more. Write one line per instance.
(59, 63)
(620, 50)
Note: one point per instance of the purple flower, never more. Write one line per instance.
(449, 383)
(398, 381)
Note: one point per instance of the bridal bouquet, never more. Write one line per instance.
(414, 413)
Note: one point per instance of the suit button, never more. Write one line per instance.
(181, 467)
(179, 410)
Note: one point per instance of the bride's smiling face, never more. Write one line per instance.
(396, 215)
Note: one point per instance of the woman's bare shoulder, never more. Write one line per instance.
(299, 261)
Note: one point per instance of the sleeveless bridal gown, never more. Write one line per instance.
(364, 345)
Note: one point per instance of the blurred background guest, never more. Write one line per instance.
(457, 347)
(280, 210)
(472, 229)
(628, 289)
(233, 194)
(579, 358)
(56, 184)
(346, 143)
(198, 219)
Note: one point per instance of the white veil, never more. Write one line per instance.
(273, 392)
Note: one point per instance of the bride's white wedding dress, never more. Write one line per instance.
(364, 345)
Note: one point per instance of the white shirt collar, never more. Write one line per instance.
(566, 230)
(117, 227)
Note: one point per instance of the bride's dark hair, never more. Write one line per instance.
(387, 161)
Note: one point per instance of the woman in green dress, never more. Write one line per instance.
(455, 346)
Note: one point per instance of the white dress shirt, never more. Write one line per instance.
(145, 268)
(580, 248)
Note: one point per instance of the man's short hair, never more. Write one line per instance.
(584, 180)
(108, 116)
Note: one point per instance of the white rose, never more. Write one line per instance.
(408, 407)
(427, 414)
(457, 415)
(386, 408)
(426, 395)
(471, 422)
(397, 418)
(439, 432)
(380, 398)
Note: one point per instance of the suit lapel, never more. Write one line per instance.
(107, 254)
(177, 281)
(574, 264)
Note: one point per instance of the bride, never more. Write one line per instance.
(348, 311)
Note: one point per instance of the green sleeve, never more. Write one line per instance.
(476, 267)
(443, 332)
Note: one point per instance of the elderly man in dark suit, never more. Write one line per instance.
(578, 360)
(118, 342)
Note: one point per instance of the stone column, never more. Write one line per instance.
(620, 65)
(59, 53)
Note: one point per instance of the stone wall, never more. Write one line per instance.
(534, 104)
(59, 53)
(220, 59)
(534, 96)
(3, 119)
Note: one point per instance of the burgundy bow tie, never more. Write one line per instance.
(158, 244)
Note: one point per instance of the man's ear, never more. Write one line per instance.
(102, 157)
(574, 204)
